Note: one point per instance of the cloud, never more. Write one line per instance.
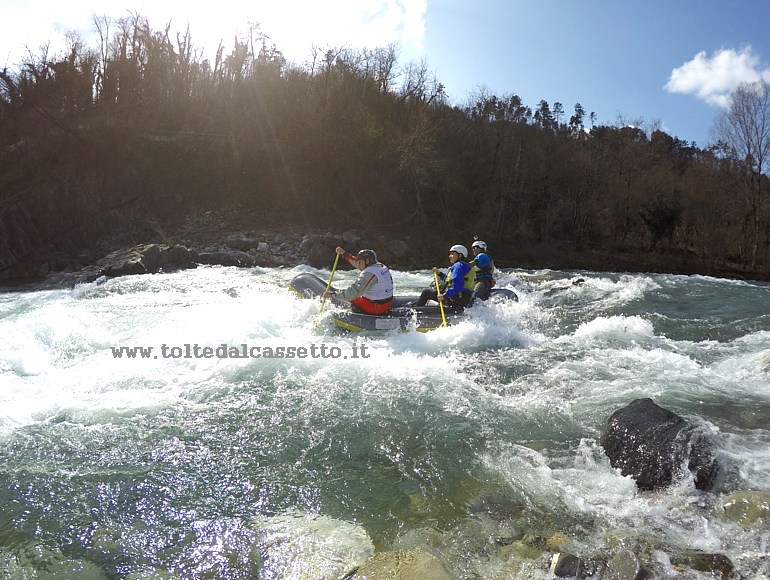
(713, 79)
(414, 21)
(354, 23)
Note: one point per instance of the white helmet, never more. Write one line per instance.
(462, 250)
(480, 244)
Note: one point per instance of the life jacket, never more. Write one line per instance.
(382, 289)
(469, 280)
(486, 272)
(468, 283)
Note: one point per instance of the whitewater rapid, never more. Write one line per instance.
(278, 466)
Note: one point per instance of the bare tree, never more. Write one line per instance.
(744, 127)
(102, 26)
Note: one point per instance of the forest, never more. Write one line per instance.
(100, 141)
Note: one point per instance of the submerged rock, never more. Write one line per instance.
(655, 447)
(310, 546)
(625, 565)
(718, 565)
(746, 507)
(402, 565)
(564, 564)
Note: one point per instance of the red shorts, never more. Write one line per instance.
(372, 307)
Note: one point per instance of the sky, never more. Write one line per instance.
(668, 64)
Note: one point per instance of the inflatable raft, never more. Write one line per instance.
(403, 316)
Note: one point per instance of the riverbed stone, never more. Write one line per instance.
(402, 565)
(746, 507)
(557, 542)
(564, 564)
(718, 565)
(625, 565)
(521, 550)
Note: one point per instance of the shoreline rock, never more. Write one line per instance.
(246, 249)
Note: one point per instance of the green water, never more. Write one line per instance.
(454, 442)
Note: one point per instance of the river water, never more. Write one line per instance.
(183, 463)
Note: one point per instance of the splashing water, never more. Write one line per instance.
(177, 460)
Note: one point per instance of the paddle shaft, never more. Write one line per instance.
(329, 285)
(440, 302)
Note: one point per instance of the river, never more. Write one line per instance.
(132, 447)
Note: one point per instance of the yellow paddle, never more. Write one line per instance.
(329, 285)
(440, 303)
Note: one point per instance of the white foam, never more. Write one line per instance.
(615, 329)
(588, 488)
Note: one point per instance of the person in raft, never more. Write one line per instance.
(372, 292)
(483, 270)
(457, 287)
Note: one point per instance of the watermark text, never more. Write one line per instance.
(226, 351)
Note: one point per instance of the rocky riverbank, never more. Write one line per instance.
(230, 239)
(245, 249)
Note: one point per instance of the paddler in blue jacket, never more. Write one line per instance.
(372, 292)
(483, 270)
(457, 288)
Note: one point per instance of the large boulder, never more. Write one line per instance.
(657, 447)
(145, 259)
(322, 254)
(226, 257)
(398, 248)
(242, 242)
(351, 238)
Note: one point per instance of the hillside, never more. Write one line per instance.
(105, 150)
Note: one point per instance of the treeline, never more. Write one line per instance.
(354, 138)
